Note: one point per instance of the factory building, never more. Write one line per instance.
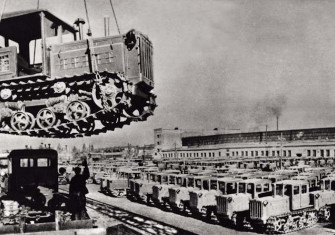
(317, 142)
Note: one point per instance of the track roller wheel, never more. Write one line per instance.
(31, 120)
(85, 127)
(110, 119)
(46, 118)
(21, 121)
(77, 110)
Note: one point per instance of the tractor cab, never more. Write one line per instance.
(296, 190)
(311, 179)
(228, 185)
(234, 207)
(328, 183)
(26, 38)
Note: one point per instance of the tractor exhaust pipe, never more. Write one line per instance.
(106, 24)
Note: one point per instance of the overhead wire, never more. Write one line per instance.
(38, 7)
(89, 33)
(117, 25)
(3, 9)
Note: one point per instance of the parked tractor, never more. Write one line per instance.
(292, 206)
(234, 208)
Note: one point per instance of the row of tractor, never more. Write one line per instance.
(281, 201)
(101, 171)
(262, 163)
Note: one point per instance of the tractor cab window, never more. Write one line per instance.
(159, 178)
(288, 190)
(231, 188)
(214, 185)
(153, 177)
(279, 189)
(43, 162)
(241, 187)
(250, 188)
(258, 188)
(222, 187)
(164, 179)
(198, 183)
(295, 190)
(266, 187)
(190, 182)
(304, 189)
(24, 162)
(205, 185)
(172, 179)
(333, 185)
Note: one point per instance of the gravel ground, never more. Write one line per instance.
(183, 222)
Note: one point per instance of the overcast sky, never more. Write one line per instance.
(228, 64)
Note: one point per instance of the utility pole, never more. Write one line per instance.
(281, 150)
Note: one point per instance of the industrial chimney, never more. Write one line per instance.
(277, 122)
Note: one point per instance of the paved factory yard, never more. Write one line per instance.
(179, 221)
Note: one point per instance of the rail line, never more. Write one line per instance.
(140, 223)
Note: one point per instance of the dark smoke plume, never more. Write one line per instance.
(266, 111)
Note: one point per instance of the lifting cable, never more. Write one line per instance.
(38, 7)
(3, 9)
(117, 25)
(89, 32)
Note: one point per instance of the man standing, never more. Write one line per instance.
(78, 191)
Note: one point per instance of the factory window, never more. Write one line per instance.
(204, 154)
(328, 152)
(210, 154)
(213, 155)
(158, 136)
(252, 153)
(219, 153)
(273, 153)
(232, 153)
(201, 154)
(314, 153)
(308, 152)
(289, 153)
(242, 153)
(256, 153)
(158, 143)
(322, 153)
(246, 153)
(284, 153)
(278, 153)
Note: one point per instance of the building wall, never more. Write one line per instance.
(166, 139)
(315, 134)
(303, 149)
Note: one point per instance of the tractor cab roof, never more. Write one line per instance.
(256, 181)
(230, 180)
(26, 25)
(293, 182)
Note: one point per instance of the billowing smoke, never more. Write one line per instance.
(266, 112)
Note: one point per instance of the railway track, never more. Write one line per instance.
(140, 223)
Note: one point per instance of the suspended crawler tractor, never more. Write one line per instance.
(53, 85)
